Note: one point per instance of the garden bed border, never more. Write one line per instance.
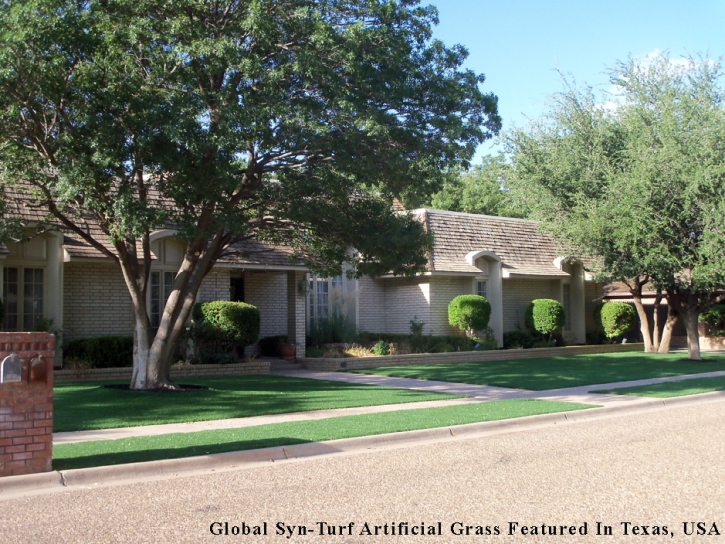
(352, 363)
(124, 373)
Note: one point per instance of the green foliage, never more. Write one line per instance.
(518, 339)
(381, 348)
(482, 189)
(418, 344)
(469, 312)
(335, 329)
(617, 319)
(544, 316)
(635, 179)
(227, 323)
(269, 345)
(596, 337)
(416, 326)
(714, 316)
(101, 351)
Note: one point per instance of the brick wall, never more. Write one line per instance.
(442, 291)
(517, 295)
(268, 292)
(332, 365)
(371, 305)
(95, 301)
(405, 300)
(592, 297)
(215, 286)
(26, 407)
(186, 371)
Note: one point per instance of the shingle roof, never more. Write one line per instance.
(523, 250)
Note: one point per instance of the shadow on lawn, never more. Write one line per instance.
(119, 458)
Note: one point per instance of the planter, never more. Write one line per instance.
(287, 351)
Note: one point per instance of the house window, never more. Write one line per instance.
(567, 306)
(323, 295)
(481, 288)
(161, 283)
(23, 295)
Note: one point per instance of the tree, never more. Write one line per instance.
(637, 183)
(481, 189)
(286, 121)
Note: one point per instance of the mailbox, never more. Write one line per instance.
(11, 369)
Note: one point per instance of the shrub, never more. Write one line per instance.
(442, 347)
(228, 322)
(336, 329)
(545, 316)
(101, 351)
(714, 316)
(596, 337)
(617, 318)
(469, 313)
(381, 348)
(542, 344)
(416, 326)
(269, 345)
(518, 339)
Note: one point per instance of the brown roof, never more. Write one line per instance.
(523, 250)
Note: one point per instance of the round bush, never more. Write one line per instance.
(545, 316)
(381, 348)
(617, 318)
(232, 322)
(469, 312)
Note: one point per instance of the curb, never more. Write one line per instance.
(15, 486)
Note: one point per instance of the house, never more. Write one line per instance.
(58, 276)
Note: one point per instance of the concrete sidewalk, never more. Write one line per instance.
(476, 393)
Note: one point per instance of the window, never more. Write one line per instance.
(567, 306)
(23, 297)
(481, 288)
(161, 283)
(323, 294)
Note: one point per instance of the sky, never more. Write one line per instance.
(520, 44)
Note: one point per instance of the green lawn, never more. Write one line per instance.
(86, 406)
(557, 372)
(171, 446)
(680, 388)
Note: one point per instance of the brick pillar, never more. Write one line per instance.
(296, 318)
(26, 406)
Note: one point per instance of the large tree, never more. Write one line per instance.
(637, 181)
(287, 121)
(480, 189)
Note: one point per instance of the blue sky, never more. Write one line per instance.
(519, 44)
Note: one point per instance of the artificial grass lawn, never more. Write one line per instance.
(680, 388)
(88, 406)
(557, 372)
(172, 446)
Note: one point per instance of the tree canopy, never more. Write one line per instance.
(636, 180)
(285, 121)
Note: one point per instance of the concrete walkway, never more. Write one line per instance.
(476, 393)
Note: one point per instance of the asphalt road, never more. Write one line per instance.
(659, 469)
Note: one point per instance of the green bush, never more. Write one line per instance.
(518, 339)
(542, 344)
(442, 347)
(469, 313)
(419, 343)
(269, 345)
(337, 328)
(545, 316)
(617, 318)
(101, 351)
(596, 337)
(233, 323)
(381, 348)
(714, 316)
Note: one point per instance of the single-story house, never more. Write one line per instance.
(57, 276)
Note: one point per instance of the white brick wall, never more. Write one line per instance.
(215, 286)
(518, 294)
(442, 291)
(371, 302)
(95, 301)
(405, 300)
(268, 292)
(592, 297)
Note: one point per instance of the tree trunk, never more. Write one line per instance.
(667, 331)
(689, 317)
(643, 322)
(656, 323)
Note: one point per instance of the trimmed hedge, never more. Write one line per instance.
(102, 351)
(469, 312)
(617, 318)
(545, 316)
(518, 339)
(228, 322)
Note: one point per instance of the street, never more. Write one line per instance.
(648, 477)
